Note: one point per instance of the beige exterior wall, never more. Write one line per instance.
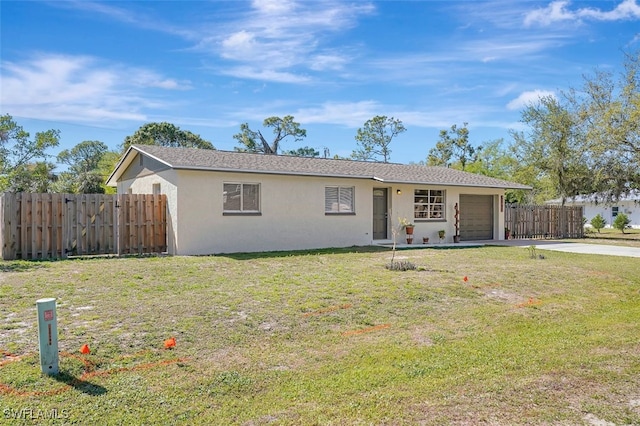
(292, 212)
(168, 181)
(427, 228)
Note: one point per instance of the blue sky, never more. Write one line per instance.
(99, 70)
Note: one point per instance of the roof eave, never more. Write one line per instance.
(341, 176)
(465, 185)
(268, 172)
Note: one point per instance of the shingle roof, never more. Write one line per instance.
(216, 160)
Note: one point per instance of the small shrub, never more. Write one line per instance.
(621, 221)
(598, 222)
(533, 253)
(400, 265)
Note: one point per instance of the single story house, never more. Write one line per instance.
(593, 205)
(224, 202)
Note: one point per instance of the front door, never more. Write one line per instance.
(380, 214)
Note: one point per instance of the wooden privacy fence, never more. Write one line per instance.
(49, 226)
(530, 221)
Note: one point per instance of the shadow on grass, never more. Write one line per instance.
(79, 384)
(275, 254)
(21, 265)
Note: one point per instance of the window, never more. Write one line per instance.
(241, 198)
(156, 189)
(339, 199)
(429, 204)
(614, 211)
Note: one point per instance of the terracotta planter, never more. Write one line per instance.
(409, 239)
(425, 240)
(409, 230)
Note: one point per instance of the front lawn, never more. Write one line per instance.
(476, 335)
(631, 237)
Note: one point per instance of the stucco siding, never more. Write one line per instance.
(142, 166)
(402, 206)
(291, 215)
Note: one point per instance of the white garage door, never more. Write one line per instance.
(476, 217)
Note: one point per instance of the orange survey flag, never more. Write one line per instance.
(170, 343)
(84, 349)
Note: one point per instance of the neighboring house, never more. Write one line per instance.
(224, 202)
(628, 204)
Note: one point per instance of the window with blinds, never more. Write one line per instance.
(339, 199)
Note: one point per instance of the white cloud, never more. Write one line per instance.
(277, 36)
(355, 114)
(253, 73)
(558, 11)
(273, 6)
(79, 88)
(628, 9)
(350, 114)
(128, 16)
(274, 38)
(323, 62)
(527, 98)
(239, 45)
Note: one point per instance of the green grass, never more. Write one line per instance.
(328, 337)
(631, 237)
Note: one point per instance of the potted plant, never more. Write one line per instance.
(441, 234)
(507, 233)
(406, 225)
(425, 240)
(408, 229)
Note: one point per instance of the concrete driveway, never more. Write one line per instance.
(573, 247)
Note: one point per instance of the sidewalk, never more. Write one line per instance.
(558, 245)
(554, 245)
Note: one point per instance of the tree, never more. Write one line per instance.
(598, 222)
(83, 157)
(19, 168)
(608, 111)
(254, 141)
(306, 151)
(105, 168)
(375, 137)
(552, 153)
(32, 177)
(84, 176)
(453, 149)
(621, 222)
(166, 134)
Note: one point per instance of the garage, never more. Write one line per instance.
(476, 217)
